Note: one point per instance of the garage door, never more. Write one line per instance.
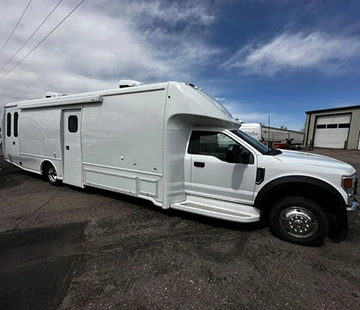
(332, 131)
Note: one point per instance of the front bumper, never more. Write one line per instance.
(352, 211)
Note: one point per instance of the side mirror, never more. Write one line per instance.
(233, 153)
(237, 154)
(245, 156)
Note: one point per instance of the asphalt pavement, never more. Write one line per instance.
(68, 248)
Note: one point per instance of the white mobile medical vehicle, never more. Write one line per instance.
(174, 145)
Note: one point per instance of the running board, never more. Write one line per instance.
(223, 213)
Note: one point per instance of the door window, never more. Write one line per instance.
(210, 143)
(8, 124)
(73, 123)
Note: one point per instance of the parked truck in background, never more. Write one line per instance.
(253, 130)
(279, 138)
(172, 144)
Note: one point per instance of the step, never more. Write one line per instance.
(224, 213)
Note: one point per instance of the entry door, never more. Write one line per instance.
(10, 134)
(212, 176)
(72, 173)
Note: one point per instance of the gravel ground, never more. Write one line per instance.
(65, 248)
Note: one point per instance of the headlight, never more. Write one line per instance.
(349, 184)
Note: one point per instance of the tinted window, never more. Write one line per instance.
(8, 125)
(210, 143)
(344, 125)
(321, 126)
(73, 123)
(262, 148)
(331, 126)
(16, 118)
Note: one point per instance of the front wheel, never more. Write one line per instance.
(299, 220)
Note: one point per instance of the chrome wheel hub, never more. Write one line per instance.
(52, 174)
(298, 222)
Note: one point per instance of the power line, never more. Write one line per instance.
(7, 40)
(42, 40)
(31, 35)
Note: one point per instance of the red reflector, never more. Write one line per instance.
(348, 183)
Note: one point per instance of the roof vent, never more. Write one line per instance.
(50, 94)
(129, 83)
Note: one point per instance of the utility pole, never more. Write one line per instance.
(269, 131)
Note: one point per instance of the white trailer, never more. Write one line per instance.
(176, 146)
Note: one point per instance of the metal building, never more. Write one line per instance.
(336, 128)
(277, 135)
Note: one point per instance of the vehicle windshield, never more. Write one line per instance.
(262, 148)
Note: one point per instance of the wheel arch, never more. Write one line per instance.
(44, 164)
(324, 194)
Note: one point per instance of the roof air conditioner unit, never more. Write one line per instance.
(50, 94)
(129, 83)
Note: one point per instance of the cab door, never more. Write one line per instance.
(213, 176)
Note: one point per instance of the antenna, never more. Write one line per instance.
(269, 133)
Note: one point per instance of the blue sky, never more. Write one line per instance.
(279, 57)
(257, 57)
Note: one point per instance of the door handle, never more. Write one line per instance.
(67, 147)
(199, 164)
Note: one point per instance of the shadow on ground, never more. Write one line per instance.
(37, 265)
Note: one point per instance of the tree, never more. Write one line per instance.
(283, 127)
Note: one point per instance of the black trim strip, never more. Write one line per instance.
(261, 196)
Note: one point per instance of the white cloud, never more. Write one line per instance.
(102, 42)
(242, 112)
(172, 13)
(254, 113)
(293, 51)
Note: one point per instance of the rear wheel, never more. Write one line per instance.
(50, 175)
(299, 220)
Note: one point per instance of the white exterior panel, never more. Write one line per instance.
(122, 141)
(125, 131)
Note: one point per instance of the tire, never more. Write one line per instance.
(50, 174)
(299, 220)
